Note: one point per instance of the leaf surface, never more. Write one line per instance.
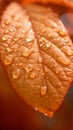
(37, 55)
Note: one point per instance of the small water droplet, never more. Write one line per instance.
(16, 38)
(70, 52)
(28, 67)
(16, 73)
(9, 49)
(29, 39)
(36, 108)
(7, 22)
(44, 30)
(6, 31)
(11, 30)
(8, 60)
(23, 31)
(18, 26)
(2, 26)
(66, 40)
(43, 90)
(64, 61)
(32, 75)
(58, 39)
(15, 18)
(62, 33)
(40, 59)
(4, 38)
(26, 52)
(48, 44)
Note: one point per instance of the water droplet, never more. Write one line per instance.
(48, 44)
(36, 108)
(28, 67)
(16, 38)
(41, 39)
(29, 39)
(11, 30)
(4, 38)
(16, 73)
(40, 59)
(58, 39)
(32, 75)
(7, 22)
(66, 40)
(64, 61)
(26, 52)
(8, 60)
(6, 31)
(62, 33)
(2, 26)
(44, 30)
(15, 18)
(70, 52)
(18, 26)
(23, 31)
(9, 49)
(43, 90)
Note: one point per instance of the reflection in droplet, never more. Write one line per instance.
(16, 73)
(9, 49)
(28, 67)
(26, 52)
(62, 33)
(7, 22)
(6, 31)
(43, 90)
(48, 44)
(64, 61)
(32, 75)
(4, 38)
(8, 60)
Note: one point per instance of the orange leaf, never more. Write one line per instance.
(37, 55)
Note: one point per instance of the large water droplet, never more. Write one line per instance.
(62, 33)
(64, 61)
(16, 73)
(26, 52)
(8, 60)
(28, 67)
(43, 90)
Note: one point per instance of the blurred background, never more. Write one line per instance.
(15, 114)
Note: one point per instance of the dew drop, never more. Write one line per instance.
(7, 22)
(48, 44)
(11, 30)
(4, 38)
(18, 26)
(6, 31)
(62, 33)
(40, 59)
(2, 26)
(36, 108)
(43, 90)
(9, 49)
(32, 75)
(66, 40)
(8, 60)
(29, 39)
(16, 39)
(58, 39)
(15, 18)
(28, 67)
(26, 52)
(23, 31)
(16, 73)
(44, 30)
(64, 61)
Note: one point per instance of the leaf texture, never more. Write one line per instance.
(37, 55)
